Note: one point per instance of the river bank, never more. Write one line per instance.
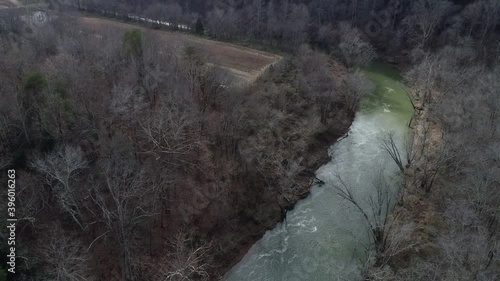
(323, 236)
(300, 138)
(276, 210)
(415, 220)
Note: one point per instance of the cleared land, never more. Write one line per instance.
(244, 63)
(9, 4)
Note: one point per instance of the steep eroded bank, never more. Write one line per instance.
(283, 154)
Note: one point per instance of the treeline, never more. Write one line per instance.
(138, 160)
(391, 25)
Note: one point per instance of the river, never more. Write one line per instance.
(322, 238)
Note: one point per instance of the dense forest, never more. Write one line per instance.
(391, 26)
(137, 158)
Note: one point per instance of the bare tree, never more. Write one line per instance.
(222, 24)
(356, 51)
(122, 201)
(171, 134)
(358, 87)
(491, 15)
(64, 256)
(393, 147)
(422, 78)
(288, 170)
(160, 182)
(316, 80)
(256, 12)
(374, 208)
(451, 71)
(399, 239)
(472, 14)
(448, 154)
(426, 16)
(62, 165)
(31, 200)
(489, 85)
(213, 83)
(481, 185)
(294, 23)
(228, 128)
(127, 96)
(390, 146)
(467, 241)
(188, 261)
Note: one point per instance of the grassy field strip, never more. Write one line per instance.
(245, 63)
